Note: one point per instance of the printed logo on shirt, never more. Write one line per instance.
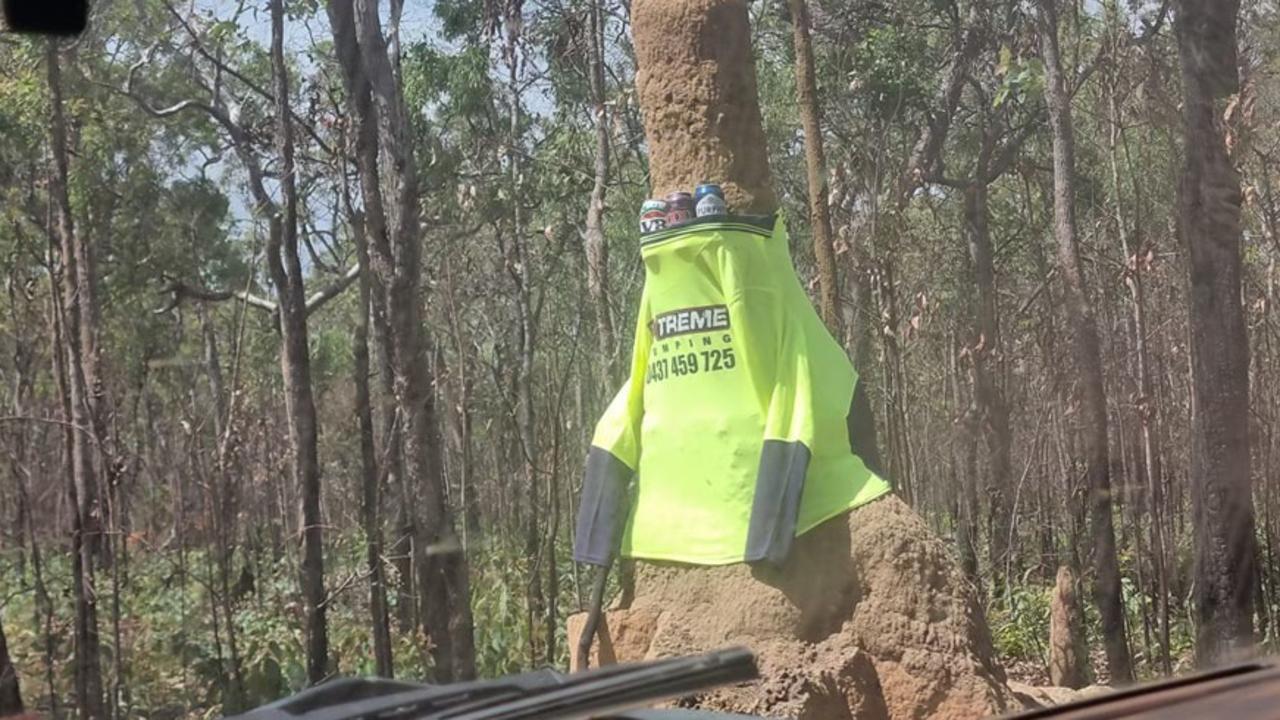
(690, 320)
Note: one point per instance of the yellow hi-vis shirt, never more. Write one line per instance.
(733, 433)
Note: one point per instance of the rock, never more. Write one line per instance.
(871, 610)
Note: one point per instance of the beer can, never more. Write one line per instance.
(679, 208)
(707, 188)
(653, 215)
(710, 204)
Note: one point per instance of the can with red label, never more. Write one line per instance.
(653, 215)
(679, 208)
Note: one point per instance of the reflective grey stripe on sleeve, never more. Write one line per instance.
(779, 485)
(603, 510)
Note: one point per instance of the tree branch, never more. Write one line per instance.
(249, 83)
(1010, 150)
(180, 290)
(318, 300)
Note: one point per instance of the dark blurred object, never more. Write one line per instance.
(610, 692)
(46, 17)
(1249, 691)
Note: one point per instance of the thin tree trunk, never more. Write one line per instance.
(1088, 356)
(42, 615)
(815, 167)
(10, 692)
(517, 261)
(224, 496)
(1148, 407)
(83, 487)
(963, 472)
(990, 413)
(597, 249)
(394, 231)
(370, 490)
(286, 274)
(1209, 223)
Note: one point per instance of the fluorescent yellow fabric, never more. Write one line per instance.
(728, 354)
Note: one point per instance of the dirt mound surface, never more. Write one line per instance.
(870, 618)
(696, 82)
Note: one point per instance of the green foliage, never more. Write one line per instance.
(888, 72)
(175, 654)
(1020, 78)
(1020, 623)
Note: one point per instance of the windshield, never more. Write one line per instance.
(925, 348)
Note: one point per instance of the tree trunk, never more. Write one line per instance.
(815, 166)
(516, 252)
(225, 499)
(597, 249)
(83, 487)
(1148, 405)
(990, 413)
(1209, 223)
(295, 360)
(370, 489)
(1088, 357)
(394, 231)
(10, 694)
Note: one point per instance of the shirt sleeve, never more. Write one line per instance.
(613, 458)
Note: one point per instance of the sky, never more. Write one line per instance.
(418, 23)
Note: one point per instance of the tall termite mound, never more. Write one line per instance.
(870, 611)
(696, 80)
(870, 616)
(1068, 653)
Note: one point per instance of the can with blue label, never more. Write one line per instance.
(653, 215)
(710, 205)
(708, 200)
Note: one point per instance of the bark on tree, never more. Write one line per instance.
(597, 249)
(370, 488)
(77, 410)
(815, 167)
(394, 232)
(10, 692)
(1088, 357)
(295, 359)
(1209, 222)
(989, 412)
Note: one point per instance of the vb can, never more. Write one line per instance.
(679, 208)
(653, 215)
